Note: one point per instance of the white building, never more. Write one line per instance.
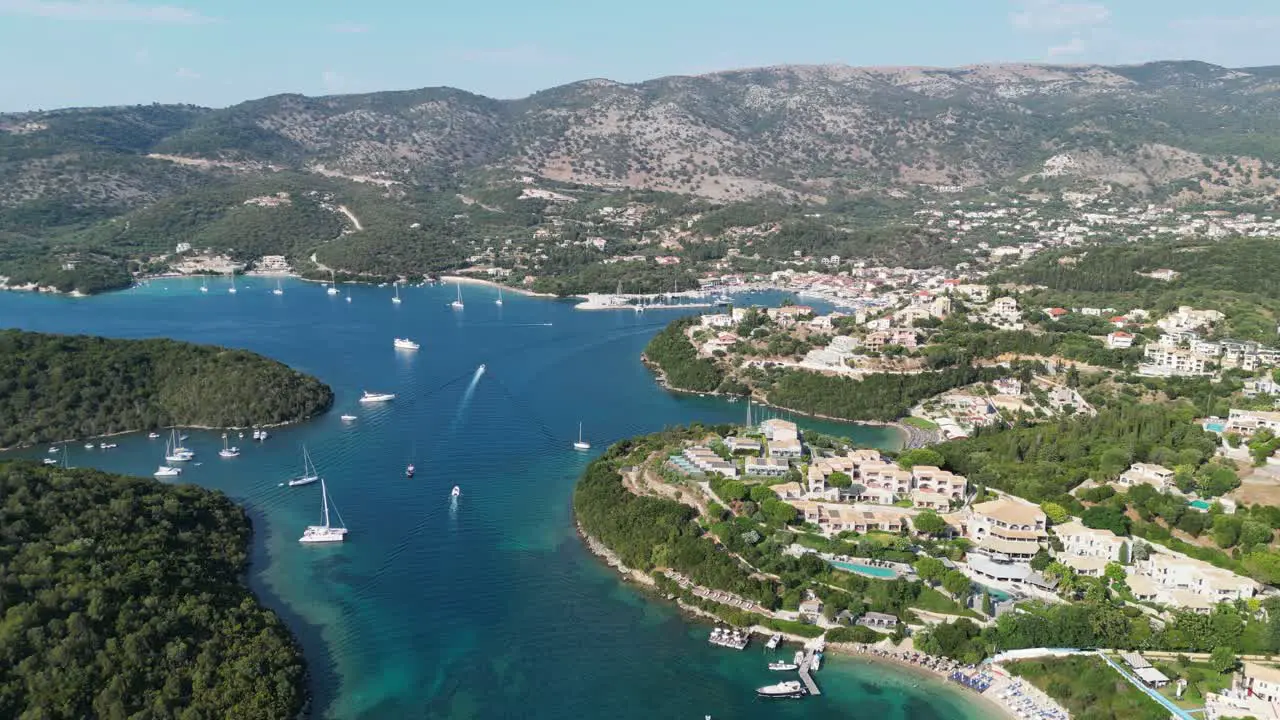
(1080, 541)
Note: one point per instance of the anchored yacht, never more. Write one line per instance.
(788, 689)
(369, 397)
(405, 344)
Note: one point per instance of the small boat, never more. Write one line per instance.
(455, 492)
(232, 289)
(153, 435)
(581, 444)
(408, 472)
(227, 451)
(263, 435)
(279, 290)
(325, 533)
(499, 300)
(167, 471)
(53, 449)
(816, 663)
(369, 397)
(395, 299)
(783, 666)
(107, 446)
(50, 461)
(457, 304)
(348, 297)
(257, 434)
(788, 689)
(348, 418)
(174, 454)
(309, 472)
(405, 344)
(204, 285)
(88, 446)
(333, 285)
(774, 640)
(240, 434)
(183, 438)
(799, 657)
(480, 370)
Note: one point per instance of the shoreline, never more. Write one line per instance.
(202, 428)
(845, 650)
(468, 280)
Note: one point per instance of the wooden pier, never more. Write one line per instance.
(805, 677)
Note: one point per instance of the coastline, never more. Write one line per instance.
(203, 428)
(469, 280)
(844, 650)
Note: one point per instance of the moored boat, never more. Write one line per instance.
(371, 397)
(788, 689)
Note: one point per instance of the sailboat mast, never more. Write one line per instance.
(324, 498)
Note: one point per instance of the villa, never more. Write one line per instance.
(1079, 541)
(1005, 529)
(1193, 584)
(1157, 476)
(767, 467)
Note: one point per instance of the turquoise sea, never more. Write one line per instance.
(489, 607)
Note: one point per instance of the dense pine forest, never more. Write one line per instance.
(59, 387)
(121, 597)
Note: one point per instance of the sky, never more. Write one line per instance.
(60, 53)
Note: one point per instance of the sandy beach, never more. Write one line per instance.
(468, 280)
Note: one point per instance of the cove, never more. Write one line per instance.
(490, 608)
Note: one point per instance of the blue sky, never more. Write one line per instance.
(218, 52)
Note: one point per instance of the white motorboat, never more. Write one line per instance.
(788, 689)
(263, 435)
(167, 471)
(348, 418)
(499, 300)
(325, 533)
(457, 304)
(395, 299)
(581, 444)
(333, 285)
(370, 397)
(227, 451)
(279, 290)
(50, 461)
(480, 370)
(88, 446)
(816, 663)
(799, 657)
(153, 435)
(309, 472)
(405, 344)
(348, 297)
(257, 434)
(455, 492)
(783, 666)
(53, 449)
(106, 446)
(774, 640)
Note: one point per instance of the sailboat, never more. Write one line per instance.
(499, 300)
(279, 290)
(175, 452)
(204, 285)
(396, 299)
(227, 451)
(333, 284)
(309, 472)
(348, 296)
(457, 304)
(325, 533)
(581, 444)
(232, 289)
(168, 470)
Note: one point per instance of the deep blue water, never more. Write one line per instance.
(490, 607)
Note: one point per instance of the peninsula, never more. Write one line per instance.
(59, 387)
(123, 597)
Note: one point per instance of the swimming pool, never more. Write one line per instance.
(1215, 427)
(876, 572)
(996, 595)
(1201, 505)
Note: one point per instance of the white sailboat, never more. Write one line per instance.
(204, 285)
(168, 470)
(581, 444)
(396, 299)
(232, 289)
(348, 296)
(325, 533)
(499, 300)
(333, 284)
(457, 304)
(309, 472)
(279, 290)
(175, 452)
(227, 451)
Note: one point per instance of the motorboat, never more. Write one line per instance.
(53, 449)
(257, 434)
(581, 444)
(309, 472)
(405, 344)
(480, 370)
(167, 471)
(263, 435)
(88, 446)
(788, 689)
(348, 418)
(106, 446)
(50, 461)
(783, 666)
(153, 435)
(327, 532)
(816, 662)
(774, 640)
(370, 397)
(455, 492)
(408, 472)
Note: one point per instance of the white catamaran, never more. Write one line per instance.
(333, 284)
(396, 299)
(457, 304)
(309, 472)
(279, 290)
(325, 533)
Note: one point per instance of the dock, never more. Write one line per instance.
(733, 639)
(809, 685)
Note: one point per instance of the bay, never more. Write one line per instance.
(489, 607)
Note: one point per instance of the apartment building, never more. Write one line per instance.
(767, 467)
(706, 460)
(1165, 361)
(1079, 541)
(1005, 529)
(1173, 573)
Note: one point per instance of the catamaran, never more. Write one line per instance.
(324, 533)
(309, 472)
(369, 397)
(170, 457)
(499, 300)
(457, 304)
(227, 451)
(279, 290)
(333, 284)
(396, 299)
(581, 444)
(405, 344)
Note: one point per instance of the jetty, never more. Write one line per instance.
(809, 685)
(734, 639)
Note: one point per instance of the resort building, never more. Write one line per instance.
(1005, 529)
(1157, 476)
(743, 445)
(1260, 681)
(1084, 542)
(706, 460)
(935, 488)
(1247, 422)
(786, 449)
(1085, 565)
(1163, 361)
(1193, 584)
(879, 621)
(787, 491)
(767, 467)
(776, 429)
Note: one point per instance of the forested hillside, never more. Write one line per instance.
(122, 598)
(59, 387)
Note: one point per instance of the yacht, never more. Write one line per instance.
(175, 452)
(405, 344)
(408, 472)
(816, 662)
(774, 640)
(153, 435)
(581, 444)
(279, 290)
(106, 446)
(53, 449)
(263, 435)
(88, 446)
(457, 304)
(455, 492)
(325, 533)
(788, 689)
(167, 471)
(499, 300)
(227, 451)
(396, 299)
(369, 397)
(348, 418)
(783, 666)
(50, 461)
(257, 434)
(333, 285)
(480, 370)
(348, 297)
(309, 472)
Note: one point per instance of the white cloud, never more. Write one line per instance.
(1054, 15)
(349, 28)
(186, 74)
(1071, 48)
(104, 10)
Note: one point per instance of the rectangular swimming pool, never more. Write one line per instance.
(1201, 505)
(872, 570)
